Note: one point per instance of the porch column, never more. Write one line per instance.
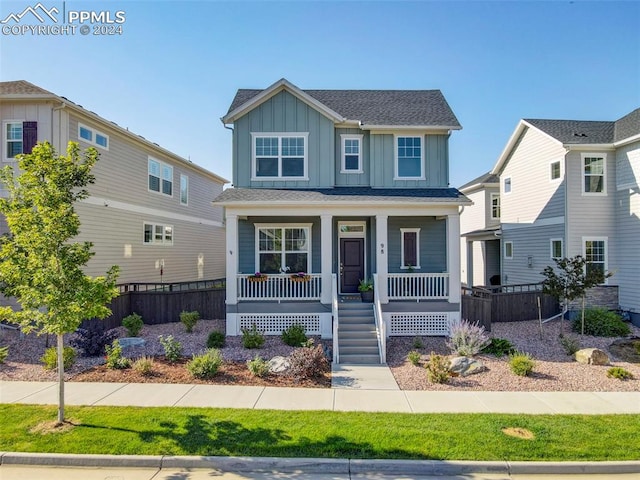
(453, 256)
(382, 264)
(232, 258)
(326, 241)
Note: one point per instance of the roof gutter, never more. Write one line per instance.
(409, 127)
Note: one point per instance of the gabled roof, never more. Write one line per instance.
(22, 87)
(576, 131)
(628, 126)
(371, 108)
(487, 178)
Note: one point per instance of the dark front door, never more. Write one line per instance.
(351, 264)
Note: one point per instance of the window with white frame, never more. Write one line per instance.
(280, 155)
(410, 248)
(184, 189)
(283, 248)
(594, 173)
(13, 139)
(507, 185)
(554, 170)
(157, 234)
(409, 158)
(160, 177)
(556, 248)
(495, 206)
(508, 250)
(595, 253)
(351, 154)
(93, 136)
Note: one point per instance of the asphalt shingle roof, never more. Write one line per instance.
(627, 126)
(21, 87)
(486, 178)
(378, 107)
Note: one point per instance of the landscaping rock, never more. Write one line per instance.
(464, 366)
(626, 349)
(592, 356)
(278, 364)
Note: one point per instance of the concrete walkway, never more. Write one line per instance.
(338, 399)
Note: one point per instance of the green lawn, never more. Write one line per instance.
(206, 431)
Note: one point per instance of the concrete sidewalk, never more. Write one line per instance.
(337, 399)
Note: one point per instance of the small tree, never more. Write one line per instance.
(39, 265)
(572, 280)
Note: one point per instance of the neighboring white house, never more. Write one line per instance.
(149, 208)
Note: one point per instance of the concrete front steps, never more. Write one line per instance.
(357, 338)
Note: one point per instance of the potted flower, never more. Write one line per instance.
(300, 277)
(366, 290)
(257, 277)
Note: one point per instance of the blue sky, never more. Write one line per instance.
(174, 70)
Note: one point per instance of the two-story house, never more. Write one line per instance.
(149, 210)
(333, 187)
(572, 188)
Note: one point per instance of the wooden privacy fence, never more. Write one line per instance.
(162, 302)
(506, 303)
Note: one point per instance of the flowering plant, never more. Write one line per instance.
(300, 274)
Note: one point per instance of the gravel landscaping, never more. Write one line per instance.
(554, 371)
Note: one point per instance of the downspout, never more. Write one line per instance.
(55, 109)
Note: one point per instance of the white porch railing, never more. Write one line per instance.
(279, 287)
(336, 322)
(418, 286)
(381, 327)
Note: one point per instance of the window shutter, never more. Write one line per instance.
(29, 136)
(410, 249)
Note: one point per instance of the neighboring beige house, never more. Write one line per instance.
(148, 207)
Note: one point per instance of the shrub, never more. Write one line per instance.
(418, 343)
(499, 347)
(294, 335)
(133, 323)
(466, 339)
(172, 348)
(50, 358)
(437, 368)
(571, 345)
(91, 341)
(216, 339)
(308, 362)
(258, 366)
(619, 373)
(414, 357)
(521, 363)
(114, 356)
(4, 353)
(205, 365)
(252, 338)
(144, 365)
(600, 322)
(189, 320)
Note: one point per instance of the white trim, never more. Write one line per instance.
(162, 166)
(153, 242)
(5, 140)
(508, 257)
(603, 156)
(493, 195)
(551, 241)
(605, 240)
(434, 129)
(402, 232)
(283, 226)
(94, 133)
(186, 178)
(625, 141)
(343, 163)
(551, 163)
(538, 223)
(396, 175)
(504, 186)
(279, 136)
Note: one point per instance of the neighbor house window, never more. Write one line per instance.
(508, 250)
(409, 158)
(156, 234)
(495, 206)
(595, 253)
(280, 156)
(507, 185)
(594, 173)
(351, 154)
(184, 189)
(410, 248)
(283, 249)
(19, 137)
(556, 248)
(160, 177)
(93, 136)
(555, 170)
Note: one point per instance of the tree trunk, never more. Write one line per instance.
(60, 378)
(583, 315)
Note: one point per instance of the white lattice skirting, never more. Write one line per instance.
(407, 324)
(274, 324)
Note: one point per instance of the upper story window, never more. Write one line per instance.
(19, 137)
(495, 206)
(280, 156)
(184, 189)
(93, 136)
(507, 185)
(555, 170)
(351, 154)
(594, 171)
(160, 177)
(409, 158)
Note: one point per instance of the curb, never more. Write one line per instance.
(320, 465)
